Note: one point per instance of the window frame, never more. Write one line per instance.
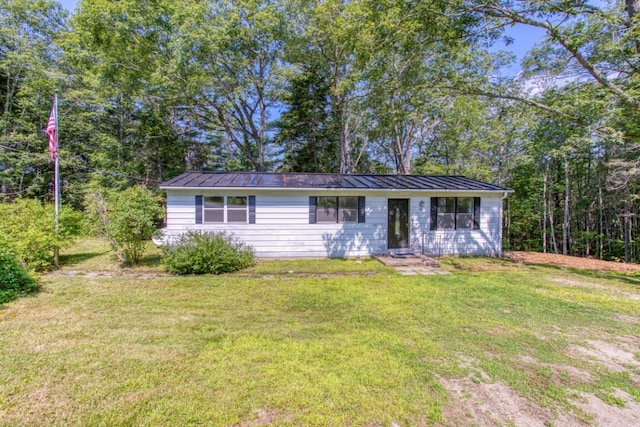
(319, 208)
(225, 209)
(353, 210)
(460, 212)
(473, 210)
(356, 210)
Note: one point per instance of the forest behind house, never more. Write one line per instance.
(149, 89)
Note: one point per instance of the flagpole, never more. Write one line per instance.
(56, 184)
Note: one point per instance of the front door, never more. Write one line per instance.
(398, 224)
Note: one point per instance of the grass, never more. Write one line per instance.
(305, 348)
(93, 254)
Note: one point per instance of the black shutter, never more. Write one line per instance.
(252, 209)
(434, 214)
(312, 210)
(199, 209)
(361, 209)
(476, 213)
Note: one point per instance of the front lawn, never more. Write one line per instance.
(281, 345)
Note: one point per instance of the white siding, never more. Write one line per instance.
(485, 241)
(282, 226)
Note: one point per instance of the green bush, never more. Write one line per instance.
(207, 253)
(127, 219)
(14, 279)
(27, 227)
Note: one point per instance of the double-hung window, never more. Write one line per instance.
(464, 213)
(336, 209)
(225, 209)
(455, 213)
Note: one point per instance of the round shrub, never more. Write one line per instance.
(207, 253)
(14, 279)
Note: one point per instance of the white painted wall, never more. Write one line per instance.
(282, 226)
(485, 241)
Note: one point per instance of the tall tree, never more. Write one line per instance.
(29, 58)
(233, 50)
(125, 53)
(325, 33)
(307, 134)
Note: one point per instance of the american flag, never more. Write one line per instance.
(52, 131)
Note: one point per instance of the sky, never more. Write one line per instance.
(70, 5)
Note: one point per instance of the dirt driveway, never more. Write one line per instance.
(572, 262)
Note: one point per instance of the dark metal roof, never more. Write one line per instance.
(328, 181)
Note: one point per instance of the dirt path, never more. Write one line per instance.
(572, 262)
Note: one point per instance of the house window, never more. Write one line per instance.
(335, 209)
(446, 213)
(327, 209)
(464, 213)
(236, 209)
(213, 209)
(225, 209)
(455, 213)
(347, 209)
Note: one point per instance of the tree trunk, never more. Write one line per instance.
(402, 148)
(544, 213)
(600, 219)
(567, 196)
(554, 243)
(626, 228)
(632, 8)
(345, 146)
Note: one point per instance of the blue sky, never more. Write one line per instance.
(70, 5)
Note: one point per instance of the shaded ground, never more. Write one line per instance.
(572, 262)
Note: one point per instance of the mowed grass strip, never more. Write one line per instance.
(352, 350)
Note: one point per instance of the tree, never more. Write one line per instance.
(332, 35)
(137, 126)
(307, 134)
(127, 219)
(233, 50)
(27, 228)
(29, 54)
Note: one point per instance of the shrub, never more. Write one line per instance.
(127, 219)
(27, 227)
(206, 252)
(14, 279)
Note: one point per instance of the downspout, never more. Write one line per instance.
(504, 196)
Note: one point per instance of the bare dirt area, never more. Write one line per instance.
(483, 404)
(572, 262)
(477, 400)
(496, 404)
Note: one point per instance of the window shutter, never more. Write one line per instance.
(434, 214)
(312, 210)
(199, 200)
(476, 213)
(252, 209)
(361, 209)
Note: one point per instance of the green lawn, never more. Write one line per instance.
(296, 343)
